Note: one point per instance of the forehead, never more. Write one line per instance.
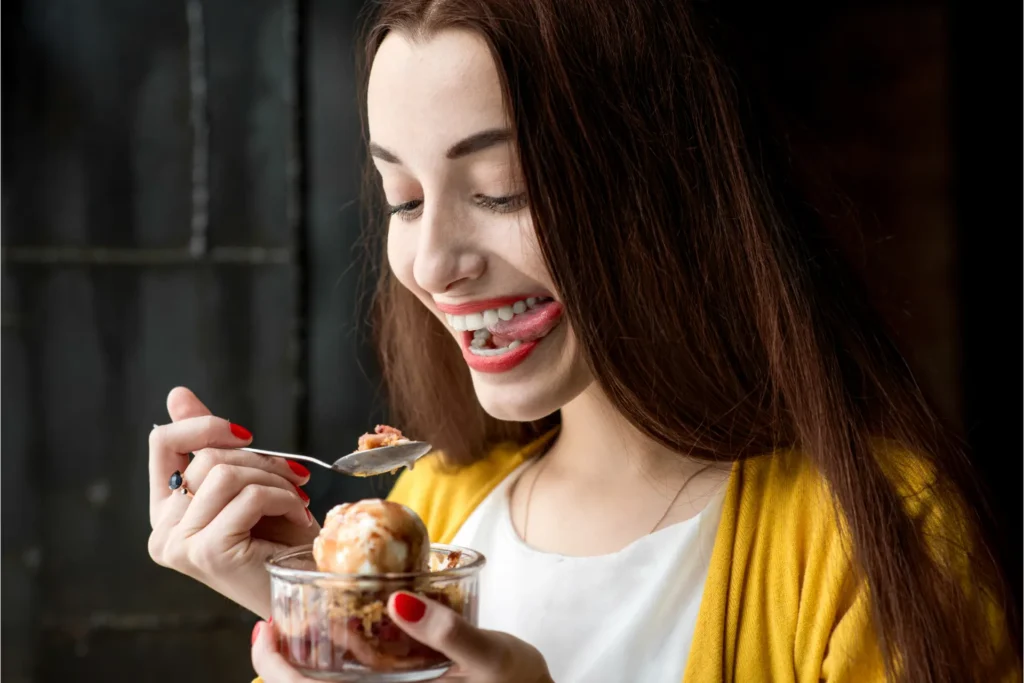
(432, 90)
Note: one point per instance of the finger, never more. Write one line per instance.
(350, 637)
(445, 630)
(268, 662)
(164, 518)
(170, 511)
(281, 531)
(183, 404)
(170, 445)
(223, 484)
(252, 503)
(206, 461)
(163, 462)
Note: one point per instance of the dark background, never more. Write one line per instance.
(180, 206)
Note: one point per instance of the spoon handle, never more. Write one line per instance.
(289, 456)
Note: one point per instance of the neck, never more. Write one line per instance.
(596, 442)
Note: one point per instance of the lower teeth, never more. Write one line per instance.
(495, 352)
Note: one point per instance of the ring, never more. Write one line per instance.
(177, 482)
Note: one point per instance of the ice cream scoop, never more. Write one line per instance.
(372, 536)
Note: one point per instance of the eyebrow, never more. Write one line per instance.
(471, 145)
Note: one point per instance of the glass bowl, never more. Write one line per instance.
(335, 627)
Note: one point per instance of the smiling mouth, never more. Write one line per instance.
(506, 327)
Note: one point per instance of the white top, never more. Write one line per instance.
(626, 616)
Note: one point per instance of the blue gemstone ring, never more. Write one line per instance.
(177, 482)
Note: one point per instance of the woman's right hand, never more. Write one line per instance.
(245, 507)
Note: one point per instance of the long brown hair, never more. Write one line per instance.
(707, 298)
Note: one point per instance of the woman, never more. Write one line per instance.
(687, 449)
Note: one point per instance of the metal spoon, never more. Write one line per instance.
(366, 463)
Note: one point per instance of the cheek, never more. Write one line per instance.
(531, 261)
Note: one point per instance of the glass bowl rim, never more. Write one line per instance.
(476, 563)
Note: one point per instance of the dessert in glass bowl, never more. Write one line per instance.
(329, 600)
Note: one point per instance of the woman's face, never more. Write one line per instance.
(460, 235)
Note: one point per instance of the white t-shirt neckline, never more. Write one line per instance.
(628, 615)
(508, 527)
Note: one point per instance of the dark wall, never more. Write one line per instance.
(896, 113)
(180, 187)
(985, 129)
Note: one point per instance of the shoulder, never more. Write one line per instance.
(791, 548)
(789, 486)
(784, 501)
(444, 496)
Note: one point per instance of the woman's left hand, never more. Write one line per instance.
(480, 656)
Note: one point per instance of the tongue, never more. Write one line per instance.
(533, 324)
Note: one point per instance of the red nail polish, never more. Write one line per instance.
(302, 494)
(297, 468)
(409, 607)
(255, 632)
(240, 432)
(309, 515)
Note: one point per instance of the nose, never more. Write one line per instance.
(445, 252)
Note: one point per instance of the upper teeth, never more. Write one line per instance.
(479, 321)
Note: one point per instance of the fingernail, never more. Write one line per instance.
(302, 494)
(309, 515)
(255, 632)
(409, 607)
(297, 468)
(240, 432)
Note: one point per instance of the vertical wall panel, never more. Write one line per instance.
(154, 227)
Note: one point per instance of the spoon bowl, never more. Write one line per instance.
(381, 460)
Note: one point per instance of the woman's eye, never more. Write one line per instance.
(508, 204)
(406, 210)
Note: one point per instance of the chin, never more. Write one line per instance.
(519, 404)
(542, 385)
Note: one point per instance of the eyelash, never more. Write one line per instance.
(507, 204)
(404, 210)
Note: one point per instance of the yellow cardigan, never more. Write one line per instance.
(781, 602)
